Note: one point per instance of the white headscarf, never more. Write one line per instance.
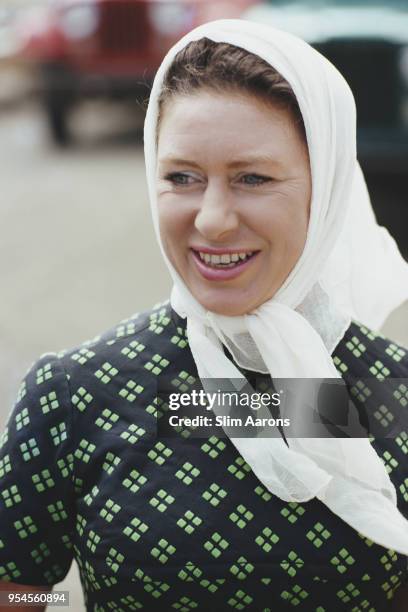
(350, 268)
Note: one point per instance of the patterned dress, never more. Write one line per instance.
(182, 523)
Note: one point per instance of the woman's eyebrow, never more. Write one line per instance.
(234, 163)
(254, 159)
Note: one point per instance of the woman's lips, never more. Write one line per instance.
(211, 273)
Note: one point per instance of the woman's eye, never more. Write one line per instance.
(179, 178)
(253, 180)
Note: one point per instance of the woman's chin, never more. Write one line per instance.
(229, 305)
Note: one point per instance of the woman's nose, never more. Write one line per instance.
(217, 214)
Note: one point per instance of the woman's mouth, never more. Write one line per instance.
(222, 266)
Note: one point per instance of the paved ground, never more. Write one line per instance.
(77, 250)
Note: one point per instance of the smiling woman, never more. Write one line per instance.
(233, 226)
(263, 218)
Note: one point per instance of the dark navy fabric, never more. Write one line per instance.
(180, 523)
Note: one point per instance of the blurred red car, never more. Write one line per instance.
(107, 47)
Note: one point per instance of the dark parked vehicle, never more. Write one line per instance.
(107, 47)
(368, 42)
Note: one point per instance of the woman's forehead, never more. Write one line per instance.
(240, 127)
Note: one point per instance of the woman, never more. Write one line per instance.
(260, 211)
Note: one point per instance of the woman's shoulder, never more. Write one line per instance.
(70, 376)
(126, 341)
(155, 321)
(365, 352)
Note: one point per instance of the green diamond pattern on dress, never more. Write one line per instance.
(43, 480)
(342, 561)
(213, 446)
(114, 559)
(49, 402)
(384, 416)
(187, 473)
(388, 560)
(360, 391)
(266, 539)
(81, 399)
(89, 497)
(131, 391)
(356, 346)
(83, 355)
(43, 374)
(292, 512)
(157, 408)
(109, 510)
(178, 522)
(160, 453)
(130, 603)
(402, 441)
(161, 501)
(390, 585)
(189, 522)
(25, 527)
(57, 511)
(93, 540)
(241, 568)
(22, 419)
(58, 433)
(133, 433)
(216, 544)
(157, 364)
(183, 382)
(214, 494)
(5, 466)
(340, 365)
(134, 481)
(40, 553)
(379, 370)
(239, 468)
(133, 349)
(401, 394)
(404, 489)
(292, 564)
(9, 572)
(127, 328)
(318, 535)
(396, 352)
(192, 572)
(179, 339)
(85, 450)
(185, 604)
(159, 321)
(241, 516)
(106, 372)
(107, 419)
(389, 461)
(65, 465)
(350, 592)
(155, 588)
(163, 550)
(240, 600)
(80, 524)
(295, 596)
(263, 493)
(111, 463)
(29, 449)
(135, 529)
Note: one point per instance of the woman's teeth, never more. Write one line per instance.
(226, 260)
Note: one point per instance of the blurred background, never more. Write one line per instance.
(77, 250)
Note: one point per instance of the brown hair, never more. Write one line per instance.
(220, 67)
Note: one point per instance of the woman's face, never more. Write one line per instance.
(233, 191)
